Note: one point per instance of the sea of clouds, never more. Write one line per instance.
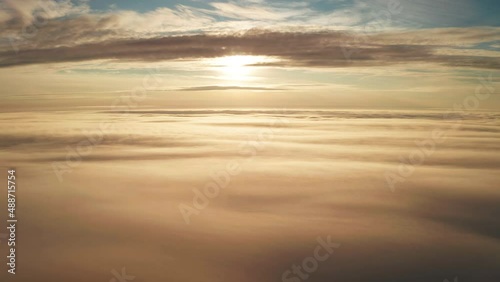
(245, 195)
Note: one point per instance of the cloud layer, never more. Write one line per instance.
(37, 32)
(321, 173)
(314, 49)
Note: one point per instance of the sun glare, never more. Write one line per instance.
(237, 68)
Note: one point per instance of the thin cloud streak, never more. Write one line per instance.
(219, 88)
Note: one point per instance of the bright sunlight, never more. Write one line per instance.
(238, 68)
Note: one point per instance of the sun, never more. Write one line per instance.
(237, 68)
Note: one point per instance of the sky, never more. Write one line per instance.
(333, 54)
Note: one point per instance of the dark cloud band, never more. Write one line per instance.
(305, 49)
